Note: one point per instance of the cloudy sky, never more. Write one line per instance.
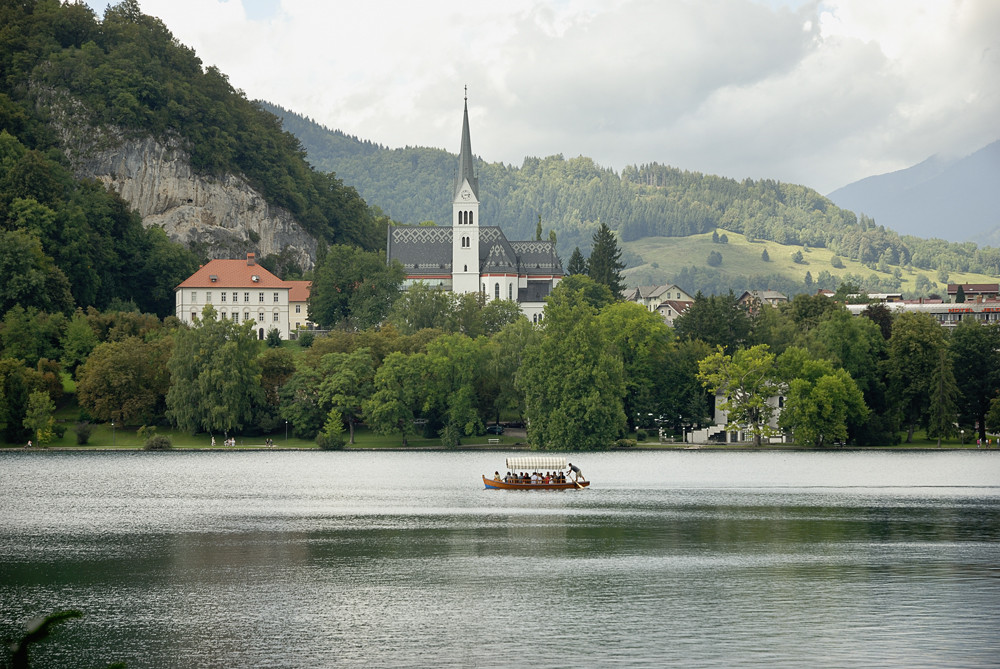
(806, 91)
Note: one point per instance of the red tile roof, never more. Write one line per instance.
(232, 274)
(298, 291)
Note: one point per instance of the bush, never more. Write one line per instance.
(273, 338)
(625, 443)
(59, 430)
(158, 442)
(641, 435)
(306, 339)
(714, 259)
(83, 430)
(836, 262)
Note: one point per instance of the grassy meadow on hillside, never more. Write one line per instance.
(665, 257)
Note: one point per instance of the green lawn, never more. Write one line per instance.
(741, 257)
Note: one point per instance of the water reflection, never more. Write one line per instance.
(368, 559)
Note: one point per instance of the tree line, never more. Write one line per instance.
(593, 370)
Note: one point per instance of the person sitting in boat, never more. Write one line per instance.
(496, 476)
(577, 474)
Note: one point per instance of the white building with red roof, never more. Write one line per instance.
(242, 290)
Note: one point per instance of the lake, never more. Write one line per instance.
(380, 559)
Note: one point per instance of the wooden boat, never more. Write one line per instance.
(534, 464)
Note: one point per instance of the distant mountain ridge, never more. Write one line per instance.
(957, 200)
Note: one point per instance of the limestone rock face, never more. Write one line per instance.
(222, 217)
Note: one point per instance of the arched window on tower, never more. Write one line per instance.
(510, 291)
(470, 218)
(496, 291)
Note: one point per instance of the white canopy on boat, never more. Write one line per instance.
(536, 462)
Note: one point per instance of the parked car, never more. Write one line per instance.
(494, 429)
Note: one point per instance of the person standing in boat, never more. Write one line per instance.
(577, 474)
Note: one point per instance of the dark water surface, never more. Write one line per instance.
(685, 559)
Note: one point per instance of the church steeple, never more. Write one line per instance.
(465, 160)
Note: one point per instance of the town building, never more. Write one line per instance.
(975, 292)
(470, 257)
(670, 301)
(242, 290)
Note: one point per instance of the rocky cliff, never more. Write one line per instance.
(223, 217)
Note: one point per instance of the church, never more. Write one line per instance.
(470, 257)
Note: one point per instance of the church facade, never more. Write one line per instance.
(469, 257)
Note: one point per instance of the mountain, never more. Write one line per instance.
(957, 200)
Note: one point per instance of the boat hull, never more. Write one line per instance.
(492, 484)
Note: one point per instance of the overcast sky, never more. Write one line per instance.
(810, 92)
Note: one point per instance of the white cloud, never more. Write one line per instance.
(808, 91)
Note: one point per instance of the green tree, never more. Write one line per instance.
(214, 375)
(348, 381)
(126, 381)
(572, 380)
(642, 340)
(821, 403)
(714, 259)
(764, 256)
(399, 394)
(505, 353)
(746, 380)
(944, 399)
(960, 294)
(354, 287)
(717, 320)
(421, 307)
(454, 364)
(605, 265)
(975, 349)
(78, 341)
(300, 402)
(577, 263)
(39, 417)
(17, 382)
(914, 350)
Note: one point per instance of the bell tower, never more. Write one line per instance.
(465, 217)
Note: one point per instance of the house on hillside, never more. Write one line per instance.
(975, 292)
(242, 290)
(469, 257)
(670, 301)
(753, 299)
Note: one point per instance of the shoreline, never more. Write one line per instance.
(493, 448)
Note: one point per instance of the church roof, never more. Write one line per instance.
(466, 163)
(426, 251)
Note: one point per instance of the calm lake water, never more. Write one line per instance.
(685, 559)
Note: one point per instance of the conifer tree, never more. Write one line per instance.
(577, 263)
(605, 265)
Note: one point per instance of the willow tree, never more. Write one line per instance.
(214, 375)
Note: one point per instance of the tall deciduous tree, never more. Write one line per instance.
(975, 349)
(572, 380)
(348, 381)
(126, 381)
(399, 394)
(822, 402)
(717, 320)
(605, 265)
(746, 380)
(354, 287)
(914, 350)
(214, 375)
(39, 417)
(17, 382)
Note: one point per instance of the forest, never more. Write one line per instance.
(71, 243)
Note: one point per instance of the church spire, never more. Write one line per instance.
(465, 160)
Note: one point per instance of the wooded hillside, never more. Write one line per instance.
(573, 196)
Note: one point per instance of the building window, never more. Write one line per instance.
(260, 297)
(275, 319)
(246, 297)
(223, 296)
(208, 297)
(298, 308)
(223, 315)
(194, 297)
(496, 291)
(260, 317)
(275, 298)
(470, 218)
(193, 316)
(510, 291)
